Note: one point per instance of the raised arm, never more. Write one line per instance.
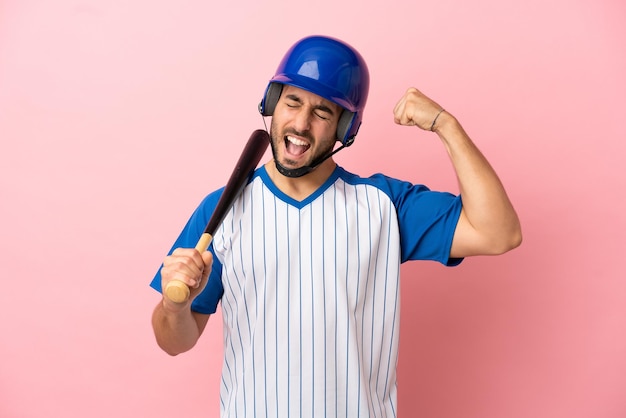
(488, 224)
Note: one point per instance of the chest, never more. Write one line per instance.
(343, 241)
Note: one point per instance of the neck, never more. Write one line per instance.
(299, 188)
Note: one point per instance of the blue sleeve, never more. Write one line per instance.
(207, 301)
(427, 221)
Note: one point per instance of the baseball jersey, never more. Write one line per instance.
(310, 291)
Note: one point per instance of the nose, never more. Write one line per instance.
(302, 120)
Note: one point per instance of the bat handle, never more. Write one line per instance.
(177, 291)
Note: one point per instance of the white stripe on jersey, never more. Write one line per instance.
(310, 304)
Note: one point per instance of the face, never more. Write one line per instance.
(304, 127)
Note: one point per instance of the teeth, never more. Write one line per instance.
(296, 141)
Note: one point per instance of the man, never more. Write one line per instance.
(306, 264)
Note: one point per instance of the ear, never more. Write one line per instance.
(272, 94)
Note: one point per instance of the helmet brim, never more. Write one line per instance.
(316, 87)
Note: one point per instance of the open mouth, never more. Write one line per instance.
(295, 146)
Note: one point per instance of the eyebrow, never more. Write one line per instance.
(321, 107)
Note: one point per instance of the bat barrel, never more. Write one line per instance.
(176, 290)
(249, 159)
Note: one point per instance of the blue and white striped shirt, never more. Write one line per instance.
(310, 291)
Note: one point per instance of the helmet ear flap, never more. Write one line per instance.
(344, 127)
(270, 99)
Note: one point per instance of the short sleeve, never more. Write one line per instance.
(427, 220)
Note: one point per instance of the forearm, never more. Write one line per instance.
(176, 328)
(490, 216)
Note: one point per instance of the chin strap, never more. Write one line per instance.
(299, 172)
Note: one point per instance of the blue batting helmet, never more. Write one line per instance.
(329, 68)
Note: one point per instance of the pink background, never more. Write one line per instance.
(117, 117)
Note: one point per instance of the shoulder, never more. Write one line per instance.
(208, 203)
(407, 197)
(392, 187)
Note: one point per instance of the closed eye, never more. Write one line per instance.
(293, 101)
(322, 115)
(321, 111)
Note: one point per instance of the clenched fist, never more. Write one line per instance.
(415, 109)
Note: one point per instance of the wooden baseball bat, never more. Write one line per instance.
(176, 290)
